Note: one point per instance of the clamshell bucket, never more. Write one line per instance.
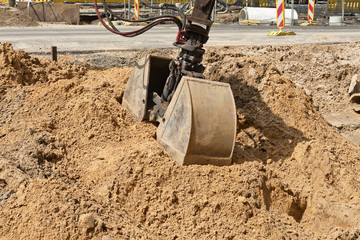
(149, 75)
(199, 125)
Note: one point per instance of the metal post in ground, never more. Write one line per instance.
(54, 53)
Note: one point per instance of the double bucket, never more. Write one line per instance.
(199, 125)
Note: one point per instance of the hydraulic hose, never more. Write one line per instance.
(155, 21)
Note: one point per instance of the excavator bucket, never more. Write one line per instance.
(199, 125)
(149, 75)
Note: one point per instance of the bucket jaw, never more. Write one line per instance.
(149, 76)
(199, 124)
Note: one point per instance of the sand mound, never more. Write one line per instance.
(75, 165)
(12, 17)
(17, 67)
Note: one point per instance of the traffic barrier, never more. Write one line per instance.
(335, 20)
(350, 5)
(266, 3)
(311, 10)
(311, 14)
(280, 14)
(280, 20)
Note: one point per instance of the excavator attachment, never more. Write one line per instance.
(199, 124)
(149, 76)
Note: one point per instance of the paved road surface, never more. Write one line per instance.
(85, 38)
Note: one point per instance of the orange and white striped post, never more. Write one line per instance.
(136, 9)
(280, 14)
(280, 20)
(311, 9)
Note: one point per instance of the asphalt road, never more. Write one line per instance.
(88, 38)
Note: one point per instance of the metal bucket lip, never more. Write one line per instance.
(227, 85)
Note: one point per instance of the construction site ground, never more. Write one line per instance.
(75, 165)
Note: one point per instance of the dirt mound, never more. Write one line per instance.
(12, 17)
(324, 72)
(17, 67)
(74, 164)
(227, 17)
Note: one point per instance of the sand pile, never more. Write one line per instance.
(17, 67)
(323, 71)
(12, 17)
(75, 165)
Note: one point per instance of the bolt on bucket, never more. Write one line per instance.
(199, 125)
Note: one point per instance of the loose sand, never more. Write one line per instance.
(75, 165)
